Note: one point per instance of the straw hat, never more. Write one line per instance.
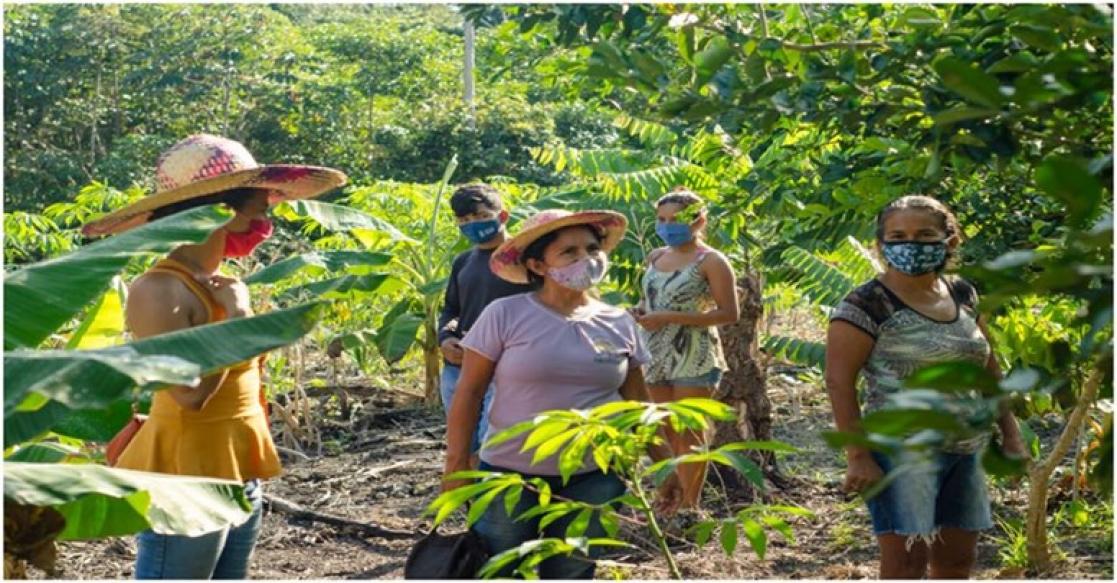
(203, 164)
(506, 261)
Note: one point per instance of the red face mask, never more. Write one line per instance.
(242, 244)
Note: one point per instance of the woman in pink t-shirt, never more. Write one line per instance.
(555, 348)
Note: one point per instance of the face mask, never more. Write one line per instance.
(915, 258)
(674, 234)
(480, 232)
(582, 274)
(242, 244)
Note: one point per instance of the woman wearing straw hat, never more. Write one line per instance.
(555, 348)
(218, 429)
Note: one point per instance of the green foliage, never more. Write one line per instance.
(616, 435)
(99, 502)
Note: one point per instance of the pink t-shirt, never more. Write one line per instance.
(547, 361)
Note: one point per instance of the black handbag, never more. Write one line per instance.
(446, 556)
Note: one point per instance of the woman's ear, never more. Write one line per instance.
(953, 241)
(503, 217)
(535, 266)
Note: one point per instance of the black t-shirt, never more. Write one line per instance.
(472, 287)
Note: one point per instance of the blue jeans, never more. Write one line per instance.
(501, 532)
(223, 554)
(944, 490)
(449, 384)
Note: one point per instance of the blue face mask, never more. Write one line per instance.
(480, 232)
(674, 234)
(914, 257)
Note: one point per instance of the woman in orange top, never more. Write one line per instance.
(218, 429)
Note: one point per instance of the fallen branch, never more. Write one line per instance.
(369, 473)
(298, 512)
(292, 453)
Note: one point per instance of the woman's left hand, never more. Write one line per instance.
(1014, 447)
(653, 321)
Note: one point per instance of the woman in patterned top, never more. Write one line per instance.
(907, 318)
(689, 289)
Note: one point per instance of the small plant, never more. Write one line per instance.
(617, 436)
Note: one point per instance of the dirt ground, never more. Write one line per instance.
(383, 467)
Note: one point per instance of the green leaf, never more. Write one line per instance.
(746, 466)
(318, 261)
(970, 82)
(482, 504)
(728, 536)
(996, 463)
(710, 407)
(98, 501)
(779, 525)
(79, 378)
(1069, 181)
(580, 523)
(396, 339)
(336, 217)
(1040, 37)
(210, 347)
(953, 377)
(42, 453)
(756, 536)
(338, 287)
(703, 531)
(98, 425)
(103, 324)
(1016, 63)
(512, 498)
(921, 18)
(710, 59)
(40, 298)
(962, 113)
(906, 421)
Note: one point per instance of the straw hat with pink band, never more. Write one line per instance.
(203, 165)
(507, 260)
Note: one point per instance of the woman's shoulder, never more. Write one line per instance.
(873, 298)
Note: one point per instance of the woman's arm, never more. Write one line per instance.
(465, 410)
(1006, 421)
(155, 307)
(723, 288)
(847, 349)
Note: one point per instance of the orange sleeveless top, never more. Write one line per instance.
(228, 438)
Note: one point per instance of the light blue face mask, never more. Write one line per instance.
(480, 232)
(914, 257)
(674, 234)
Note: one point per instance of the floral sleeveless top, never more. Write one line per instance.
(680, 352)
(905, 341)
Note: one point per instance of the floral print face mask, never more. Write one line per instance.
(915, 257)
(582, 274)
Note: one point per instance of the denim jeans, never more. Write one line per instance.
(946, 490)
(501, 532)
(448, 385)
(222, 554)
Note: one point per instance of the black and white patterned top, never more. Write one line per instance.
(906, 340)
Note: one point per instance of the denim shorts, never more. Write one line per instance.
(931, 492)
(710, 379)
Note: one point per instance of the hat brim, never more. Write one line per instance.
(286, 181)
(505, 261)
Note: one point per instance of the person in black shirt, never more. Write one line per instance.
(472, 286)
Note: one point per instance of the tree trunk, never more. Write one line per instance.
(744, 387)
(1039, 553)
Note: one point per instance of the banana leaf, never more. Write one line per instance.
(85, 382)
(40, 298)
(99, 502)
